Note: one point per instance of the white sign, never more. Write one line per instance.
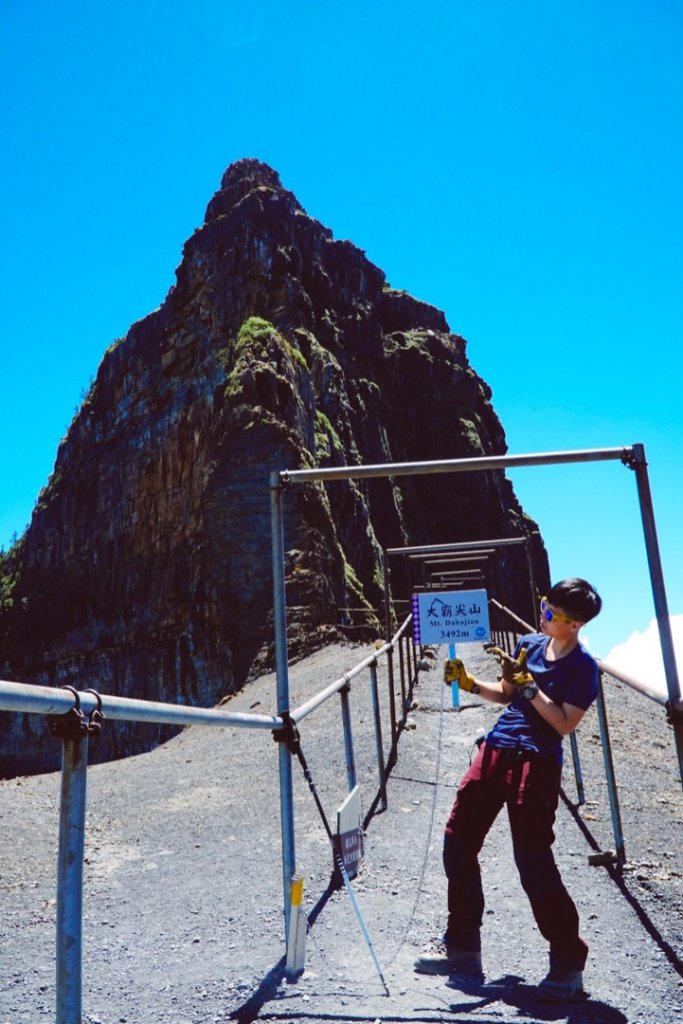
(451, 617)
(349, 832)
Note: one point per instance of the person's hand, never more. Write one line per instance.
(454, 671)
(521, 676)
(513, 669)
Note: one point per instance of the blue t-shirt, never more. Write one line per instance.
(569, 680)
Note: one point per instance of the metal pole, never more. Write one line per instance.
(463, 545)
(348, 736)
(374, 690)
(412, 659)
(578, 774)
(639, 464)
(70, 881)
(48, 700)
(387, 598)
(485, 462)
(503, 600)
(609, 774)
(390, 655)
(282, 675)
(401, 659)
(535, 596)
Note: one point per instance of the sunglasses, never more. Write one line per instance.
(550, 616)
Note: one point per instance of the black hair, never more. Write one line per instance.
(577, 598)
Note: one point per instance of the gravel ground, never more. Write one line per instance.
(183, 915)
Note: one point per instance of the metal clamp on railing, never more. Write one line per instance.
(288, 733)
(674, 711)
(74, 725)
(70, 726)
(629, 458)
(96, 717)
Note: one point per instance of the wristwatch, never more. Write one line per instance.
(529, 691)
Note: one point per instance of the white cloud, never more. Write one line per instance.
(641, 655)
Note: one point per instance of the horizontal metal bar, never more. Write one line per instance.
(401, 629)
(465, 545)
(446, 558)
(637, 684)
(45, 700)
(486, 462)
(512, 615)
(315, 702)
(471, 573)
(305, 709)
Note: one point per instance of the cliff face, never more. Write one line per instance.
(146, 568)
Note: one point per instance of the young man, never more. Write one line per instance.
(548, 687)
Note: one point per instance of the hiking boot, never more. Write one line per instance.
(560, 985)
(449, 960)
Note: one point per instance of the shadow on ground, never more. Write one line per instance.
(513, 991)
(617, 877)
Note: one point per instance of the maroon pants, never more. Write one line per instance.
(529, 785)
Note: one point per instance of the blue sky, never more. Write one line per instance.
(517, 164)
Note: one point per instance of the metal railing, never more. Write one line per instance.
(73, 711)
(41, 700)
(62, 702)
(632, 456)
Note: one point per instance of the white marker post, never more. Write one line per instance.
(296, 940)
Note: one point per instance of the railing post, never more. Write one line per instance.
(578, 774)
(390, 655)
(392, 701)
(609, 774)
(348, 736)
(282, 675)
(378, 735)
(69, 954)
(413, 650)
(535, 596)
(401, 659)
(639, 464)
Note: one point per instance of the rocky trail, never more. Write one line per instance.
(183, 918)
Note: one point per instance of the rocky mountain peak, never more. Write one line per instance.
(240, 180)
(146, 568)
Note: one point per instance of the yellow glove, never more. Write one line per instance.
(454, 671)
(513, 669)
